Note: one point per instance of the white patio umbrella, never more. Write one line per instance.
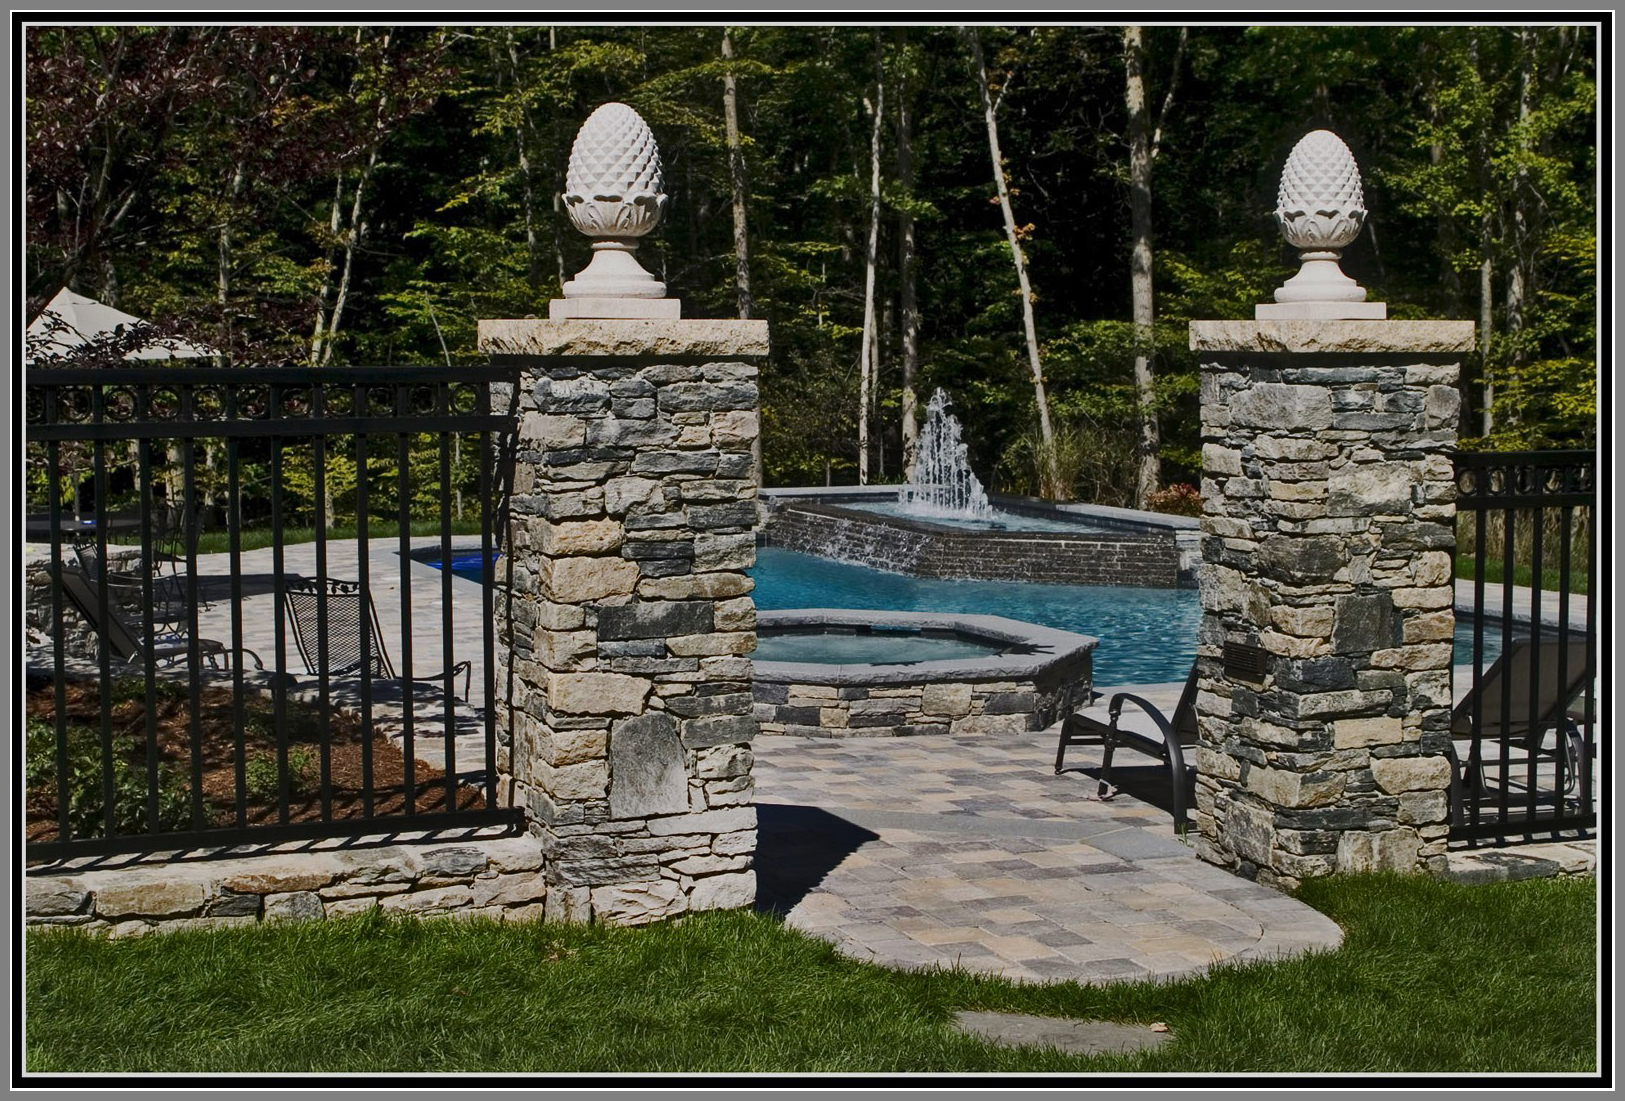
(85, 319)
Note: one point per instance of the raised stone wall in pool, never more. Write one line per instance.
(1043, 675)
(1126, 553)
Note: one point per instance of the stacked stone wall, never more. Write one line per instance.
(633, 525)
(953, 707)
(499, 878)
(1082, 559)
(1328, 538)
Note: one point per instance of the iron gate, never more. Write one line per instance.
(170, 708)
(1524, 730)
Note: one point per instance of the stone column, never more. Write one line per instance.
(633, 523)
(1328, 539)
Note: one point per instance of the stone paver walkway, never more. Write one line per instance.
(943, 851)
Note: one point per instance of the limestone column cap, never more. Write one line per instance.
(1333, 336)
(604, 337)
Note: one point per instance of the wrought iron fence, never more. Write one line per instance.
(169, 706)
(1524, 730)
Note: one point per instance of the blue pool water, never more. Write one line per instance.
(1146, 635)
(883, 648)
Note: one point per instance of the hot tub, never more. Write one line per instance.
(832, 673)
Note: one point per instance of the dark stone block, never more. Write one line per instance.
(734, 464)
(633, 409)
(664, 567)
(851, 692)
(769, 693)
(647, 774)
(640, 648)
(1314, 675)
(735, 514)
(675, 462)
(1008, 703)
(640, 549)
(691, 707)
(653, 667)
(1301, 559)
(696, 397)
(655, 619)
(799, 716)
(871, 719)
(718, 730)
(1364, 622)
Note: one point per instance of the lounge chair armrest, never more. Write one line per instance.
(1156, 716)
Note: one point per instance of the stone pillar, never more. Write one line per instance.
(633, 523)
(1328, 539)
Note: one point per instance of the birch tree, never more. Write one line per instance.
(1050, 486)
(908, 305)
(1143, 143)
(868, 355)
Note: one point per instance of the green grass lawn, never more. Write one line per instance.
(1432, 977)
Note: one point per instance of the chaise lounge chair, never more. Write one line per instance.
(124, 639)
(1508, 698)
(1169, 746)
(304, 596)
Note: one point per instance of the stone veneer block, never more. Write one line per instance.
(1328, 528)
(633, 524)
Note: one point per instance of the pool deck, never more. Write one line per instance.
(969, 851)
(930, 851)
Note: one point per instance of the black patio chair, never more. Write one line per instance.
(1174, 736)
(170, 610)
(125, 640)
(1511, 680)
(303, 597)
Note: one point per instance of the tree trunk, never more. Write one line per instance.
(1149, 468)
(1048, 486)
(1519, 276)
(522, 132)
(736, 178)
(867, 354)
(908, 305)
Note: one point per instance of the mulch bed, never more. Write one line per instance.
(216, 732)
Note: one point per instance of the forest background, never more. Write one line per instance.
(333, 195)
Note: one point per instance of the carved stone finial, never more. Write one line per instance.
(615, 193)
(1320, 209)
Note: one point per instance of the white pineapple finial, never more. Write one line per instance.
(1320, 209)
(615, 193)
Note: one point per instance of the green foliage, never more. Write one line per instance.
(87, 801)
(261, 778)
(231, 151)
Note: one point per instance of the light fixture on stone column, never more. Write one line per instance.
(1320, 209)
(615, 194)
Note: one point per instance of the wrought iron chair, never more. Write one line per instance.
(1174, 737)
(303, 598)
(1511, 680)
(125, 640)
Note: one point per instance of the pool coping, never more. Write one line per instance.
(1059, 648)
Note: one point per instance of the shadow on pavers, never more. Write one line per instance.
(796, 848)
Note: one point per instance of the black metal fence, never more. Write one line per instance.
(1524, 729)
(203, 672)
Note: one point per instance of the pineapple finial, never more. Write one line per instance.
(1320, 209)
(615, 194)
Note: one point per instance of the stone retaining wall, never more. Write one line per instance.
(498, 878)
(847, 711)
(924, 550)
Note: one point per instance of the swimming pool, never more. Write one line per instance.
(1147, 636)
